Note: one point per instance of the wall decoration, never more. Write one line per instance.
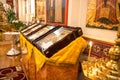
(56, 11)
(40, 9)
(103, 14)
(99, 48)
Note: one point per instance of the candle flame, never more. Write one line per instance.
(90, 43)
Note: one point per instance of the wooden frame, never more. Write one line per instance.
(57, 12)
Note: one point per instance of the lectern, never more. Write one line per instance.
(52, 51)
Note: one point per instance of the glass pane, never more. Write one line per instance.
(29, 27)
(31, 30)
(40, 32)
(52, 38)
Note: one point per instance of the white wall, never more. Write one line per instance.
(77, 17)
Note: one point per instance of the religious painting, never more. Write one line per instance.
(40, 9)
(103, 14)
(56, 11)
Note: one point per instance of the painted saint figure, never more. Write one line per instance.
(55, 11)
(106, 11)
(51, 10)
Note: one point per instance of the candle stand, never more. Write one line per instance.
(104, 68)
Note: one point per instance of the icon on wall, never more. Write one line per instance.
(56, 11)
(103, 14)
(40, 9)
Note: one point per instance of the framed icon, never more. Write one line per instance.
(103, 14)
(56, 12)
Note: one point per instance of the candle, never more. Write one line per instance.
(90, 44)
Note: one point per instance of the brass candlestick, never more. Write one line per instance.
(105, 68)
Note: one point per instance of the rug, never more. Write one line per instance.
(12, 73)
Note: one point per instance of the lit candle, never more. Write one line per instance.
(90, 44)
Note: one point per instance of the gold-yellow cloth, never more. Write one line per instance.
(69, 55)
(39, 57)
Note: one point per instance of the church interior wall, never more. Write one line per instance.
(77, 17)
(77, 10)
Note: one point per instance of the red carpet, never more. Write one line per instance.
(12, 73)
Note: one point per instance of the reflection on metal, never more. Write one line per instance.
(105, 68)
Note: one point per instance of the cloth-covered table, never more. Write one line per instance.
(68, 57)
